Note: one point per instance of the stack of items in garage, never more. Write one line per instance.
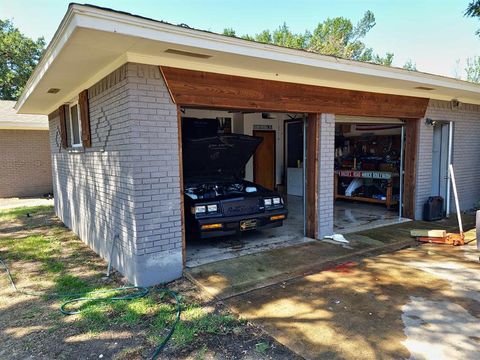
(367, 165)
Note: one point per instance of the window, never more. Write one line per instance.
(74, 131)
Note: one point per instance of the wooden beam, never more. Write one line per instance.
(211, 90)
(311, 186)
(411, 150)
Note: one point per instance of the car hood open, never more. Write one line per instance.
(222, 155)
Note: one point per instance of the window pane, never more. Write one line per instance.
(75, 125)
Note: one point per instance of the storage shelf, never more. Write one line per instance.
(367, 175)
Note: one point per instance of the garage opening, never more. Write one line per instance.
(369, 163)
(246, 170)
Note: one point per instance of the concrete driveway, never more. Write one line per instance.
(421, 302)
(10, 203)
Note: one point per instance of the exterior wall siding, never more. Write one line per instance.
(25, 167)
(466, 149)
(326, 159)
(424, 167)
(126, 186)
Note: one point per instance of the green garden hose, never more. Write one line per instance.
(134, 292)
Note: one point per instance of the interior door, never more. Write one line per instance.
(264, 160)
(294, 157)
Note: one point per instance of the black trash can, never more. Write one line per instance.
(433, 208)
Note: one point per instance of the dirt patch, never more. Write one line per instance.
(44, 256)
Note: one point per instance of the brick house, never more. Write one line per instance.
(116, 86)
(25, 165)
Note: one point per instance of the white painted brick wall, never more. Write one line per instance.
(127, 183)
(465, 157)
(424, 167)
(326, 175)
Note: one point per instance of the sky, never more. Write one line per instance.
(433, 34)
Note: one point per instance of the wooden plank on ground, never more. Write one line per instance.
(428, 233)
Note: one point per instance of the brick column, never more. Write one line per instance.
(156, 177)
(325, 175)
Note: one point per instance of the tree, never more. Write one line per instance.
(472, 69)
(340, 38)
(337, 37)
(229, 32)
(457, 73)
(410, 65)
(264, 37)
(284, 37)
(473, 10)
(18, 56)
(369, 56)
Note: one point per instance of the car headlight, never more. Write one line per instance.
(267, 202)
(200, 209)
(276, 201)
(212, 208)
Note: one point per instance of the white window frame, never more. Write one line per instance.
(70, 121)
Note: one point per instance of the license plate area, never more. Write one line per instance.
(250, 224)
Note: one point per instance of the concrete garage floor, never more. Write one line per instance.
(362, 301)
(352, 216)
(291, 233)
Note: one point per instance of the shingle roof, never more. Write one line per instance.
(9, 119)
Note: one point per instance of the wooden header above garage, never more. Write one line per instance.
(211, 90)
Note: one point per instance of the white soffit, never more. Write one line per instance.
(92, 42)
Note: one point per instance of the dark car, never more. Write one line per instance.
(218, 201)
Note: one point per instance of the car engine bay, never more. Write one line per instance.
(214, 190)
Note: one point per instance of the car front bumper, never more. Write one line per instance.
(231, 225)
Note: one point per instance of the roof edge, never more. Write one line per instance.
(87, 9)
(213, 41)
(59, 39)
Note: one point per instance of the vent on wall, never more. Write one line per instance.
(424, 88)
(266, 115)
(455, 104)
(53, 91)
(187, 53)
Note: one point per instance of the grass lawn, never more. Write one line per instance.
(47, 258)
